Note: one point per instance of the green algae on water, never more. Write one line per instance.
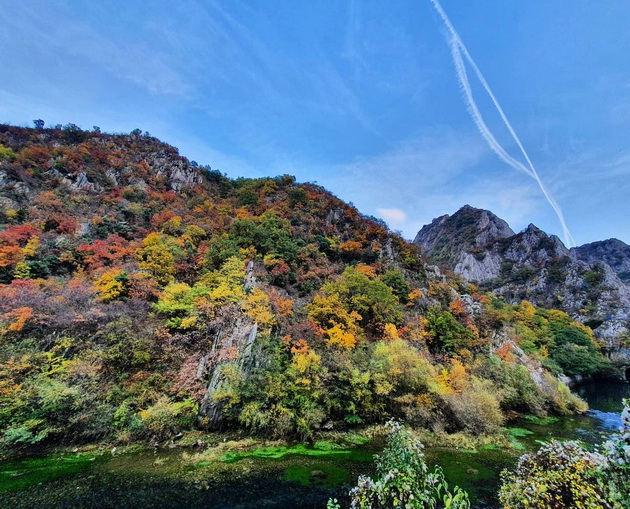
(21, 474)
(540, 421)
(323, 450)
(322, 474)
(518, 432)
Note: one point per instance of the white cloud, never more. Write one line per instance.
(394, 216)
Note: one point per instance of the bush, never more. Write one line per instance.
(559, 397)
(404, 479)
(476, 408)
(403, 366)
(616, 470)
(560, 474)
(396, 281)
(518, 391)
(165, 418)
(7, 153)
(578, 360)
(373, 300)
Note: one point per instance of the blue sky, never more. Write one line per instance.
(358, 96)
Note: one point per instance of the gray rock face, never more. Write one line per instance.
(535, 266)
(15, 188)
(78, 182)
(179, 173)
(612, 251)
(235, 333)
(469, 228)
(238, 335)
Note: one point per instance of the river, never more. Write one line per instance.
(279, 477)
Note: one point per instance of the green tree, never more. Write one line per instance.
(372, 299)
(396, 281)
(448, 334)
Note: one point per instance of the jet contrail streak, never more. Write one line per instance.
(476, 115)
(457, 49)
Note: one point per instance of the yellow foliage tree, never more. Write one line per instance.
(351, 246)
(337, 336)
(21, 271)
(390, 333)
(368, 270)
(10, 255)
(185, 305)
(526, 311)
(458, 376)
(284, 306)
(414, 297)
(112, 285)
(31, 247)
(306, 365)
(158, 255)
(339, 326)
(442, 385)
(256, 306)
(19, 318)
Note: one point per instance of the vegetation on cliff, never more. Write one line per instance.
(142, 295)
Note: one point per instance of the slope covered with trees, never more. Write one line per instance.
(142, 295)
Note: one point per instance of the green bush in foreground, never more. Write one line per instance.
(565, 475)
(616, 470)
(559, 474)
(404, 479)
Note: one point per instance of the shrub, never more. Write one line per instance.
(476, 408)
(373, 300)
(7, 153)
(578, 360)
(404, 479)
(165, 418)
(396, 281)
(560, 474)
(402, 365)
(560, 398)
(616, 470)
(448, 334)
(518, 391)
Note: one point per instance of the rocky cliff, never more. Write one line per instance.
(612, 251)
(535, 266)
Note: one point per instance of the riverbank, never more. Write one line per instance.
(230, 470)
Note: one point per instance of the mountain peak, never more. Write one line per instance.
(612, 251)
(467, 228)
(481, 247)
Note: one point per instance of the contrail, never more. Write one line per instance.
(476, 115)
(457, 49)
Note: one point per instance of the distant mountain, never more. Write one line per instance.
(612, 251)
(586, 281)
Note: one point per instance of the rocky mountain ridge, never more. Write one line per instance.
(611, 251)
(535, 266)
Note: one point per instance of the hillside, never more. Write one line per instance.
(535, 266)
(142, 295)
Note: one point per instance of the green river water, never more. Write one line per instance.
(299, 476)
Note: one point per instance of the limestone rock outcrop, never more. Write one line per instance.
(535, 266)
